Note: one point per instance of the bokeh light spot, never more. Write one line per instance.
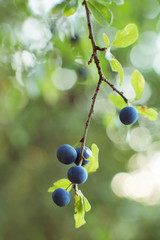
(64, 79)
(137, 142)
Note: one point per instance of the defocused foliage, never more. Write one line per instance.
(46, 88)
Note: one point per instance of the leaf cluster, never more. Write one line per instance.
(125, 38)
(99, 9)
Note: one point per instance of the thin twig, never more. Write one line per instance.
(101, 79)
(101, 49)
(89, 62)
(115, 89)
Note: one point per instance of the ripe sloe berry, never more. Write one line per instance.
(128, 115)
(66, 154)
(61, 197)
(86, 154)
(77, 174)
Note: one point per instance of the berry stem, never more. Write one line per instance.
(68, 186)
(101, 79)
(75, 186)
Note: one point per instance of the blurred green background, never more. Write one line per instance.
(46, 88)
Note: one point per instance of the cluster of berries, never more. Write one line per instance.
(66, 154)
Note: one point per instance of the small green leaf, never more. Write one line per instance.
(62, 183)
(78, 202)
(58, 7)
(138, 83)
(70, 8)
(79, 220)
(118, 2)
(117, 101)
(85, 201)
(87, 204)
(106, 40)
(100, 12)
(104, 1)
(79, 211)
(81, 206)
(126, 37)
(149, 113)
(108, 55)
(93, 165)
(117, 67)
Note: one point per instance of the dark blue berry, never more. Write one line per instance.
(82, 73)
(86, 154)
(66, 154)
(77, 174)
(128, 115)
(61, 197)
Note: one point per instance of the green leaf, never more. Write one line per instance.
(138, 83)
(108, 55)
(118, 2)
(93, 165)
(62, 183)
(58, 7)
(70, 8)
(104, 1)
(85, 201)
(117, 101)
(106, 40)
(126, 37)
(100, 12)
(81, 206)
(149, 113)
(117, 67)
(87, 204)
(79, 211)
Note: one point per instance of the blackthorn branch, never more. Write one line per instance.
(101, 79)
(128, 115)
